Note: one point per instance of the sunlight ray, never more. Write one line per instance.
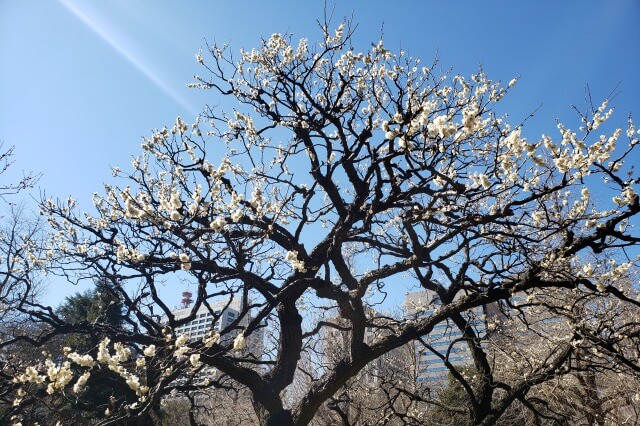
(108, 37)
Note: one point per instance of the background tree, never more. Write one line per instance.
(347, 176)
(19, 237)
(99, 304)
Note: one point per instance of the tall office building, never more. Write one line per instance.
(218, 317)
(337, 341)
(445, 340)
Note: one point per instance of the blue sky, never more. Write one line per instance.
(82, 81)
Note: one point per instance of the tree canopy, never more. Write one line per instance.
(348, 176)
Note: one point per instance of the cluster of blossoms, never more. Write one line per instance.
(480, 180)
(116, 363)
(239, 342)
(117, 358)
(214, 203)
(56, 377)
(615, 275)
(296, 263)
(628, 196)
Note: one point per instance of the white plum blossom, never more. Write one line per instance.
(185, 261)
(218, 224)
(199, 57)
(59, 376)
(81, 360)
(405, 144)
(81, 382)
(628, 196)
(31, 375)
(194, 359)
(441, 126)
(590, 223)
(210, 339)
(149, 351)
(103, 352)
(236, 215)
(537, 217)
(133, 382)
(296, 264)
(484, 181)
(182, 340)
(239, 342)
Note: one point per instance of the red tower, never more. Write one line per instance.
(186, 299)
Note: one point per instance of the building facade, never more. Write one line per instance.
(217, 316)
(337, 342)
(445, 342)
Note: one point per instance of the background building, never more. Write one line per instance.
(217, 316)
(393, 364)
(444, 342)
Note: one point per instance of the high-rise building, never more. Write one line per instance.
(444, 342)
(338, 342)
(217, 316)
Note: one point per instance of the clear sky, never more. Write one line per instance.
(81, 81)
